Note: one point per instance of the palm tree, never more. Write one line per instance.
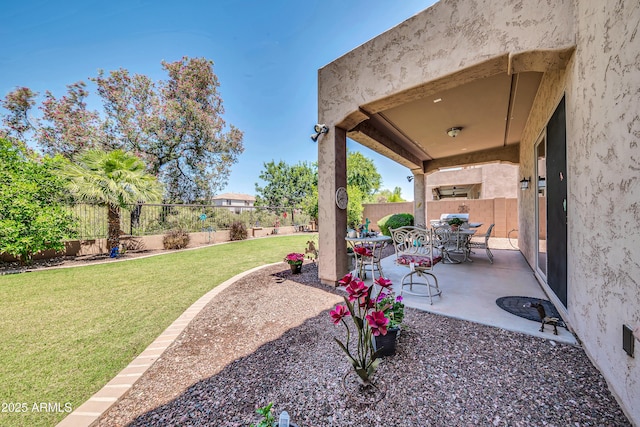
(113, 179)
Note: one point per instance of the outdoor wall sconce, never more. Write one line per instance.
(410, 178)
(319, 129)
(454, 131)
(541, 182)
(524, 183)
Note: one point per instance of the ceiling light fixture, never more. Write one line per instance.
(454, 131)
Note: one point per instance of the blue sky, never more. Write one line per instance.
(266, 56)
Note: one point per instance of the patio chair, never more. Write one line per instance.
(369, 255)
(414, 249)
(445, 241)
(484, 243)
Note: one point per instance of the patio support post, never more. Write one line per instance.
(332, 221)
(419, 200)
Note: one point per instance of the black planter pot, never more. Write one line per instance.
(387, 342)
(296, 268)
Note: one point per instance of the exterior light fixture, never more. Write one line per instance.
(319, 129)
(541, 182)
(524, 183)
(410, 178)
(454, 131)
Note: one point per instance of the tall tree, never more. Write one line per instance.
(113, 179)
(32, 215)
(388, 196)
(17, 122)
(362, 173)
(286, 185)
(175, 126)
(298, 185)
(67, 126)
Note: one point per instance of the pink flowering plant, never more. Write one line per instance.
(369, 320)
(392, 306)
(294, 258)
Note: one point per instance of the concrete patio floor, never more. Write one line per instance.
(470, 290)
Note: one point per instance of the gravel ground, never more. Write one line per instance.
(269, 338)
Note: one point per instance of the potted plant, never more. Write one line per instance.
(295, 262)
(393, 309)
(455, 223)
(368, 320)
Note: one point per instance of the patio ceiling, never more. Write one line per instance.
(491, 111)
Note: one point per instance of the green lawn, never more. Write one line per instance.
(67, 332)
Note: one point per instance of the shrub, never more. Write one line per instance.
(394, 221)
(32, 215)
(238, 231)
(176, 239)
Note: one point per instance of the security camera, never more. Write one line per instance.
(321, 128)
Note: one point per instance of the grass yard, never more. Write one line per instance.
(65, 333)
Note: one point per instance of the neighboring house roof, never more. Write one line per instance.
(235, 196)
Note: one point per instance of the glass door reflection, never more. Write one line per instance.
(541, 206)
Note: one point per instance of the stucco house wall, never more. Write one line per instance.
(603, 133)
(449, 44)
(492, 180)
(601, 84)
(238, 201)
(457, 41)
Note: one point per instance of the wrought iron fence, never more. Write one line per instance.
(146, 219)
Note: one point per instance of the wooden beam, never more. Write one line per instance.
(371, 137)
(508, 154)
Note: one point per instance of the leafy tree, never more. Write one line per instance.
(298, 186)
(354, 207)
(17, 121)
(310, 203)
(362, 173)
(175, 126)
(114, 179)
(32, 216)
(388, 196)
(286, 185)
(67, 127)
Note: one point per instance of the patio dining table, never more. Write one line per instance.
(458, 243)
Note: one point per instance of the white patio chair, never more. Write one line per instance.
(484, 243)
(446, 242)
(415, 250)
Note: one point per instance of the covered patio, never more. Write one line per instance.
(464, 83)
(470, 291)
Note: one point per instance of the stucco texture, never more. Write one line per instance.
(601, 85)
(411, 59)
(603, 132)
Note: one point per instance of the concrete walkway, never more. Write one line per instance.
(470, 290)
